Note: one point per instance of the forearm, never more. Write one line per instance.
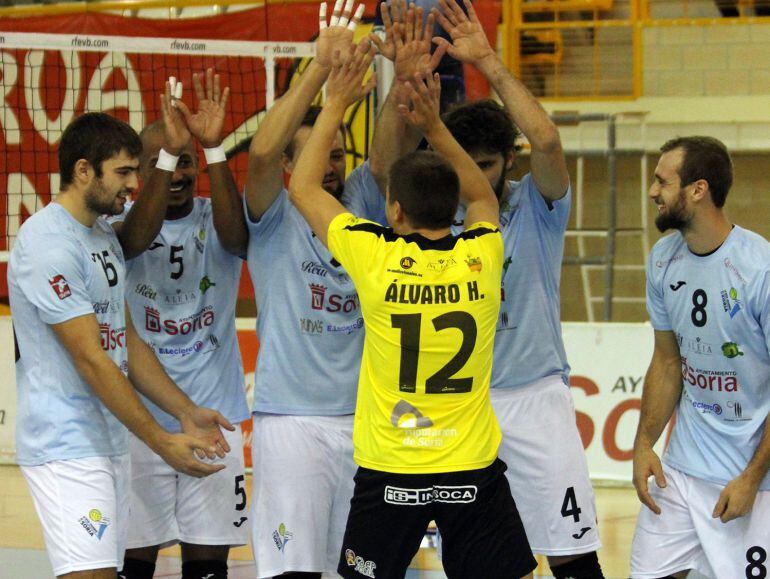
(760, 463)
(393, 138)
(285, 116)
(525, 110)
(662, 391)
(227, 208)
(116, 393)
(145, 219)
(148, 377)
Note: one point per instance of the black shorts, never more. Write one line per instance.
(480, 526)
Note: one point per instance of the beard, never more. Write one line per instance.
(98, 200)
(337, 191)
(674, 217)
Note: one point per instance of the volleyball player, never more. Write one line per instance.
(708, 296)
(311, 334)
(183, 291)
(425, 436)
(76, 346)
(530, 375)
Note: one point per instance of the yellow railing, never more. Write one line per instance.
(593, 49)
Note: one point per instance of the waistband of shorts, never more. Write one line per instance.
(548, 384)
(342, 419)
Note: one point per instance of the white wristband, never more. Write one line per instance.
(166, 161)
(215, 155)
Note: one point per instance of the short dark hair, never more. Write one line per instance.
(427, 188)
(704, 158)
(311, 116)
(482, 127)
(94, 137)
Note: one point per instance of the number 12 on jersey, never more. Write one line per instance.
(441, 382)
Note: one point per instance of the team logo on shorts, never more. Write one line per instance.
(95, 523)
(360, 565)
(60, 286)
(436, 494)
(281, 536)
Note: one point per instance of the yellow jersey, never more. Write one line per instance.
(430, 308)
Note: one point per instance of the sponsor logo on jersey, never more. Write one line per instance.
(180, 298)
(60, 286)
(311, 327)
(734, 270)
(205, 284)
(441, 265)
(678, 285)
(95, 523)
(706, 408)
(314, 268)
(406, 415)
(474, 263)
(347, 328)
(694, 345)
(333, 302)
(665, 262)
(146, 291)
(737, 414)
(112, 338)
(425, 496)
(154, 245)
(101, 307)
(360, 565)
(281, 536)
(405, 264)
(183, 326)
(711, 380)
(730, 302)
(201, 237)
(731, 350)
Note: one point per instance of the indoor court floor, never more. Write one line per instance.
(22, 554)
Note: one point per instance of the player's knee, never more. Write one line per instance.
(584, 567)
(210, 569)
(136, 569)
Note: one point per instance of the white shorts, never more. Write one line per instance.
(547, 467)
(303, 483)
(685, 536)
(169, 507)
(83, 510)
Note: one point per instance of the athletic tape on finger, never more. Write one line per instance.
(335, 19)
(322, 16)
(356, 17)
(345, 18)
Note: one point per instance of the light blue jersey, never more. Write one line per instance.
(182, 293)
(528, 343)
(719, 308)
(309, 320)
(60, 270)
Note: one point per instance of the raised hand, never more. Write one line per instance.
(424, 96)
(344, 86)
(469, 43)
(393, 13)
(337, 36)
(206, 425)
(413, 46)
(207, 122)
(175, 131)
